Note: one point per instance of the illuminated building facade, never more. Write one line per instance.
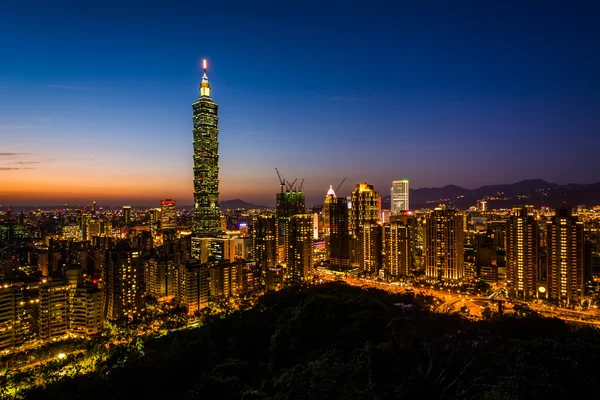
(399, 196)
(300, 246)
(398, 245)
(12, 315)
(264, 241)
(124, 283)
(565, 254)
(288, 203)
(444, 245)
(193, 286)
(522, 253)
(86, 312)
(370, 247)
(126, 214)
(54, 309)
(338, 242)
(225, 279)
(207, 214)
(364, 209)
(168, 214)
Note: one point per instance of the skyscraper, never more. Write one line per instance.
(522, 253)
(398, 245)
(207, 215)
(444, 244)
(337, 231)
(566, 257)
(168, 214)
(300, 246)
(364, 210)
(289, 202)
(126, 214)
(264, 241)
(124, 283)
(399, 196)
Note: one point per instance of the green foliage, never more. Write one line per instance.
(333, 341)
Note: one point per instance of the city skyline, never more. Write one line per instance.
(110, 121)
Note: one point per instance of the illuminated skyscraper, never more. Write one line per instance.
(565, 257)
(300, 246)
(337, 231)
(398, 245)
(444, 244)
(126, 214)
(168, 214)
(264, 241)
(207, 214)
(364, 210)
(289, 203)
(522, 253)
(399, 196)
(124, 277)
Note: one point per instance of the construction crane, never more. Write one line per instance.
(291, 185)
(301, 185)
(340, 185)
(281, 180)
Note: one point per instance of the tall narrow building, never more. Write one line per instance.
(300, 247)
(168, 214)
(398, 245)
(364, 211)
(264, 241)
(565, 254)
(207, 214)
(444, 245)
(337, 237)
(522, 253)
(399, 196)
(288, 203)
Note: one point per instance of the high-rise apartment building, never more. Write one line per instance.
(398, 245)
(193, 286)
(12, 315)
(124, 283)
(370, 247)
(207, 214)
(522, 253)
(168, 214)
(264, 241)
(444, 244)
(86, 312)
(225, 279)
(300, 246)
(399, 196)
(565, 257)
(54, 309)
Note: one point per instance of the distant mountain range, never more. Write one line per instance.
(534, 192)
(238, 203)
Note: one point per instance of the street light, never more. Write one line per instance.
(61, 356)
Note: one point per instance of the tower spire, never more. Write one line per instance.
(204, 86)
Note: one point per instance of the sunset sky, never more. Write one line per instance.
(95, 103)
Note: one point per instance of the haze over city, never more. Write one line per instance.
(95, 103)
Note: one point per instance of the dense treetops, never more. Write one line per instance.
(334, 341)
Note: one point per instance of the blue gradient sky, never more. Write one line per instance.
(97, 101)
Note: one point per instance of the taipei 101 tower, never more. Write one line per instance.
(207, 214)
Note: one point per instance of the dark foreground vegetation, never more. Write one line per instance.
(339, 342)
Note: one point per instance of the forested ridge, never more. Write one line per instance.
(334, 341)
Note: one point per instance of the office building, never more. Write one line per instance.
(565, 256)
(338, 241)
(207, 214)
(126, 214)
(289, 202)
(444, 242)
(522, 253)
(365, 208)
(168, 215)
(399, 197)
